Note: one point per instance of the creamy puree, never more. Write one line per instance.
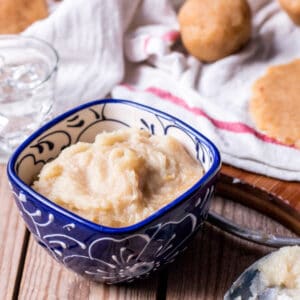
(121, 178)
(282, 269)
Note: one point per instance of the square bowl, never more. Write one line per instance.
(101, 253)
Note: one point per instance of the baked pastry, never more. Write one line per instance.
(213, 29)
(292, 8)
(17, 15)
(275, 105)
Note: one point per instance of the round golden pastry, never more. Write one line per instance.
(275, 105)
(213, 29)
(292, 8)
(17, 15)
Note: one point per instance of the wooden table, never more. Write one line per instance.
(205, 271)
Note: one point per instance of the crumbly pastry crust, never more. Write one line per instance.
(275, 103)
(213, 29)
(292, 8)
(17, 15)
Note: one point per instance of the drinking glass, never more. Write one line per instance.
(27, 79)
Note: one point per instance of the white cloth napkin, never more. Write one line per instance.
(131, 49)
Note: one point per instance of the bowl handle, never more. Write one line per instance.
(250, 235)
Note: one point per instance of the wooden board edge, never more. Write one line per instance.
(260, 200)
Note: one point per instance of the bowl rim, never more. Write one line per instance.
(14, 178)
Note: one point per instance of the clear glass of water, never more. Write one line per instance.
(27, 79)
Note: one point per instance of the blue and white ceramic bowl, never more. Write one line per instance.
(100, 253)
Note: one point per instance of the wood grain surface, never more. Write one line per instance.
(276, 198)
(205, 270)
(215, 259)
(44, 278)
(12, 239)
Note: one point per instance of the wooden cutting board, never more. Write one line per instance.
(278, 199)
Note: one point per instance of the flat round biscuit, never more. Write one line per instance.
(17, 15)
(292, 8)
(275, 103)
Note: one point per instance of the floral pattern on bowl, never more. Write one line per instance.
(104, 254)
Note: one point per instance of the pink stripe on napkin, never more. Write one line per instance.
(236, 127)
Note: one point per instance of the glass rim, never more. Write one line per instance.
(42, 42)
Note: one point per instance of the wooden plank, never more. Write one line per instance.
(12, 235)
(212, 262)
(215, 259)
(276, 198)
(44, 278)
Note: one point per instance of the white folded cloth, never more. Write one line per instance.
(131, 50)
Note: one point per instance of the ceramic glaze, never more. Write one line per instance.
(100, 253)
